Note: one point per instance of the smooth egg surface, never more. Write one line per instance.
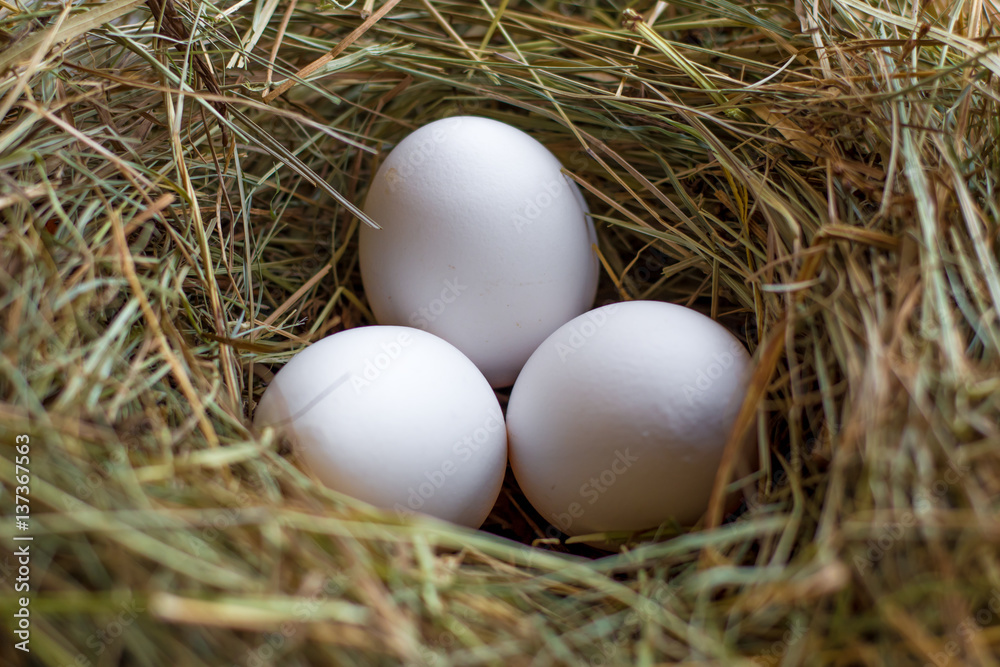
(393, 416)
(483, 242)
(619, 419)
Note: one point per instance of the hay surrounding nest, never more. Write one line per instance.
(176, 191)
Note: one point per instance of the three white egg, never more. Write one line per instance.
(485, 255)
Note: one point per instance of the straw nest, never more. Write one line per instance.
(177, 183)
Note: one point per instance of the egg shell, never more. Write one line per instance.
(393, 416)
(619, 419)
(484, 242)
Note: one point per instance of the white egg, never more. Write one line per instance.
(619, 419)
(396, 417)
(484, 242)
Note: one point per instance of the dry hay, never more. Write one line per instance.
(176, 222)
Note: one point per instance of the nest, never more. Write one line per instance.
(178, 193)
